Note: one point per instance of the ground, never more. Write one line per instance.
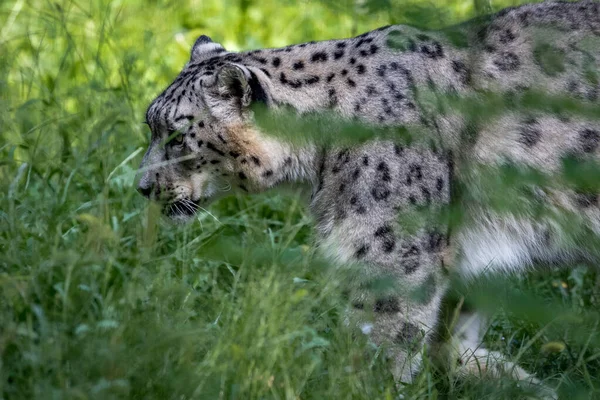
(100, 298)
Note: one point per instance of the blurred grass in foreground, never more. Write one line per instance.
(99, 298)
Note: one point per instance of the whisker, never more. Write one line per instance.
(208, 212)
(188, 205)
(179, 210)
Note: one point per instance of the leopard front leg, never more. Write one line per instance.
(398, 307)
(379, 209)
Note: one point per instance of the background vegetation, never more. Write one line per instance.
(99, 298)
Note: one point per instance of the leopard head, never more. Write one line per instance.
(204, 143)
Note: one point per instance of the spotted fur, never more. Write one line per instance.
(204, 142)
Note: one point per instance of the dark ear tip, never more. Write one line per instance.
(204, 48)
(203, 39)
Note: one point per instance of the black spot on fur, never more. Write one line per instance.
(489, 48)
(351, 83)
(355, 174)
(386, 107)
(362, 251)
(530, 133)
(426, 195)
(360, 69)
(362, 41)
(234, 154)
(312, 80)
(380, 193)
(461, 69)
(413, 251)
(410, 266)
(435, 241)
(365, 161)
(215, 162)
(344, 72)
(200, 124)
(330, 77)
(352, 60)
(255, 160)
(242, 175)
(407, 334)
(383, 230)
(385, 233)
(414, 173)
(295, 84)
(586, 200)
(507, 36)
(338, 54)
(439, 184)
(398, 150)
(319, 56)
(260, 59)
(298, 65)
(267, 173)
(340, 213)
(212, 147)
(411, 259)
(343, 157)
(433, 50)
(590, 139)
(389, 304)
(276, 62)
(385, 171)
(507, 61)
(357, 205)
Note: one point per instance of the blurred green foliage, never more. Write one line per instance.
(99, 298)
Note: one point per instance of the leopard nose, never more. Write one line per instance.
(145, 189)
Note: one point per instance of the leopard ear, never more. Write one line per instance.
(233, 84)
(205, 48)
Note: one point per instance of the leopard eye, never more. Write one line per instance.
(175, 137)
(178, 138)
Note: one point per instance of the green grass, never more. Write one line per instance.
(100, 298)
